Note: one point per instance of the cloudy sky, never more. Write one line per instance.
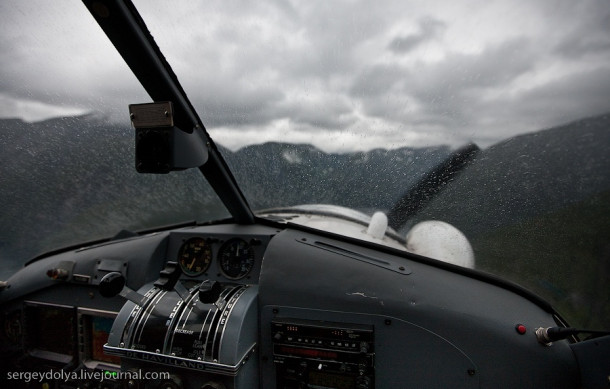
(344, 75)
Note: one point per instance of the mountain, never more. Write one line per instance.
(534, 207)
(60, 177)
(71, 180)
(299, 174)
(528, 175)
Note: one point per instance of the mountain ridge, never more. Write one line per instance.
(78, 199)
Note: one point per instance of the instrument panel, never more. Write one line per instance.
(68, 324)
(218, 256)
(223, 322)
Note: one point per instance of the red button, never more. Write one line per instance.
(521, 329)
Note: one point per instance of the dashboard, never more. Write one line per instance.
(270, 306)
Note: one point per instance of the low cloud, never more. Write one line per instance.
(429, 29)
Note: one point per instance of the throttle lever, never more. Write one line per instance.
(168, 280)
(168, 277)
(113, 284)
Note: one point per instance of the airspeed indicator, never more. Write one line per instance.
(236, 258)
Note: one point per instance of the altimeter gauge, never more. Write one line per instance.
(195, 256)
(236, 258)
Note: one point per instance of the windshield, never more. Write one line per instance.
(344, 104)
(66, 144)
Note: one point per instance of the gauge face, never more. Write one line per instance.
(236, 258)
(12, 327)
(195, 256)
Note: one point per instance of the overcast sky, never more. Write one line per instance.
(348, 75)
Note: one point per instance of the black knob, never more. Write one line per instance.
(209, 291)
(364, 347)
(302, 370)
(213, 385)
(112, 284)
(363, 382)
(362, 367)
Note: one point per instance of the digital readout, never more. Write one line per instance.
(308, 352)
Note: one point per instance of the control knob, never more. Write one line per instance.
(213, 385)
(209, 291)
(363, 382)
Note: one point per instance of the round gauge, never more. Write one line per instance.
(12, 327)
(236, 258)
(195, 256)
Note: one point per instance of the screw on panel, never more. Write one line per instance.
(402, 268)
(388, 322)
(275, 311)
(471, 372)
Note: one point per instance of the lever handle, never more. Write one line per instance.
(209, 291)
(113, 284)
(168, 277)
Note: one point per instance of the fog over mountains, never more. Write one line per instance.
(73, 179)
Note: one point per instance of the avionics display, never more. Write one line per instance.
(100, 329)
(50, 328)
(93, 331)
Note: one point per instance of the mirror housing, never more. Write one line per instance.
(160, 146)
